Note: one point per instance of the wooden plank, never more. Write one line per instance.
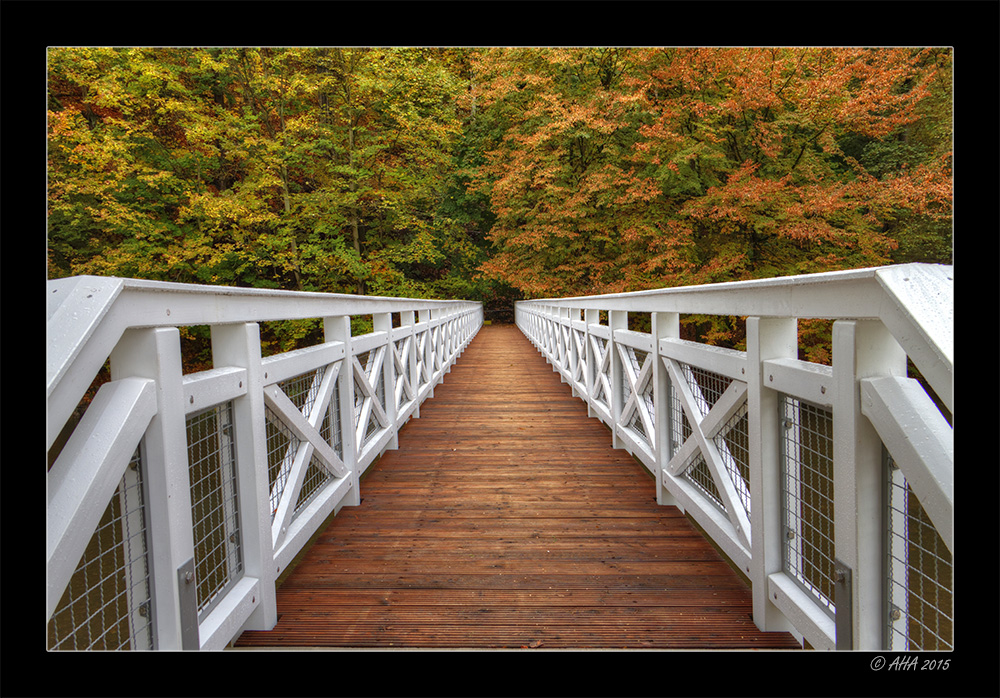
(506, 520)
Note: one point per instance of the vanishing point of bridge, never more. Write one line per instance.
(437, 483)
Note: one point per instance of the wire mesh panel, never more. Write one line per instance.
(807, 483)
(106, 605)
(919, 573)
(281, 447)
(680, 428)
(214, 504)
(697, 472)
(302, 389)
(706, 386)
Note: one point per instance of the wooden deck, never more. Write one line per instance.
(506, 520)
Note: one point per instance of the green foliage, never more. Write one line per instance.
(495, 174)
(308, 169)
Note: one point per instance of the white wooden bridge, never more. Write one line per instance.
(178, 500)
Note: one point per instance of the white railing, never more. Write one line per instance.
(829, 487)
(178, 500)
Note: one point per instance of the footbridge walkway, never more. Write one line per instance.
(566, 483)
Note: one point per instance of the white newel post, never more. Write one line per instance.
(155, 353)
(338, 329)
(239, 345)
(767, 338)
(861, 349)
(617, 320)
(664, 325)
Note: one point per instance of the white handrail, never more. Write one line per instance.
(279, 443)
(732, 425)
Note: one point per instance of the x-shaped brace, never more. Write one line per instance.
(400, 358)
(603, 374)
(311, 443)
(371, 403)
(704, 428)
(637, 381)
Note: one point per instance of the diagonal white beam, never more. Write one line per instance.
(89, 468)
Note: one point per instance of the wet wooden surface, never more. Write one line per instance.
(506, 520)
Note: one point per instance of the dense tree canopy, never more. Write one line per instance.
(495, 173)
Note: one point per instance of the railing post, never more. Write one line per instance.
(617, 320)
(663, 325)
(239, 345)
(767, 338)
(338, 329)
(861, 349)
(155, 353)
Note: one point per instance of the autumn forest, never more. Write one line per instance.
(495, 174)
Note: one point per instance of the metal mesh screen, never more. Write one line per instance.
(680, 428)
(807, 480)
(281, 447)
(706, 386)
(698, 473)
(919, 573)
(302, 389)
(106, 605)
(214, 503)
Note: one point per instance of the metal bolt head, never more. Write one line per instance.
(188, 577)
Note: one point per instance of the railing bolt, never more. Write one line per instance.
(895, 614)
(188, 577)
